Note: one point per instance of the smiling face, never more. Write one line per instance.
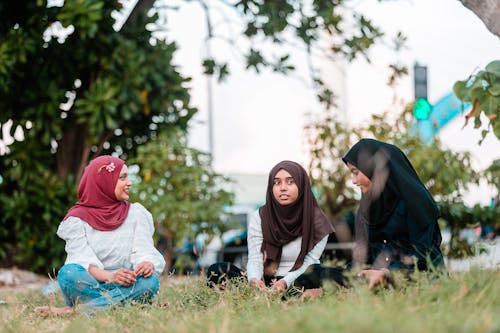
(123, 185)
(359, 179)
(285, 190)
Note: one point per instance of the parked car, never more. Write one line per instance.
(231, 245)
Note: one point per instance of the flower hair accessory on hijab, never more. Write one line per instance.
(97, 204)
(109, 168)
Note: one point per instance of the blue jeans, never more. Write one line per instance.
(80, 288)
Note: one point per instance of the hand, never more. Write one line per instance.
(310, 294)
(279, 285)
(258, 284)
(145, 269)
(376, 276)
(124, 277)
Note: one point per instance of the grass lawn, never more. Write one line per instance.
(452, 302)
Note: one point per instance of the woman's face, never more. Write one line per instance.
(285, 190)
(359, 179)
(123, 185)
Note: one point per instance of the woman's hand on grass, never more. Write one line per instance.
(279, 285)
(257, 284)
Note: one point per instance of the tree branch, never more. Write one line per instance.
(141, 8)
(488, 11)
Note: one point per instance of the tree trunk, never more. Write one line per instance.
(488, 11)
(73, 152)
(167, 247)
(140, 9)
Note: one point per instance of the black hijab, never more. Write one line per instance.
(282, 224)
(393, 178)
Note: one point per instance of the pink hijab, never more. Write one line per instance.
(97, 204)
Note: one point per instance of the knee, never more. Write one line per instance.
(70, 272)
(310, 279)
(223, 268)
(75, 277)
(217, 270)
(213, 269)
(149, 285)
(220, 273)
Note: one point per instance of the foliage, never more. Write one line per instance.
(446, 174)
(28, 230)
(459, 216)
(330, 139)
(323, 30)
(422, 304)
(181, 190)
(483, 91)
(74, 88)
(493, 174)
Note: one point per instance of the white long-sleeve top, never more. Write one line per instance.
(289, 253)
(125, 247)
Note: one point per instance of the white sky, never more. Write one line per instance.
(259, 119)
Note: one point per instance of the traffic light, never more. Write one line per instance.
(420, 81)
(422, 108)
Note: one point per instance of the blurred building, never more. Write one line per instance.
(249, 189)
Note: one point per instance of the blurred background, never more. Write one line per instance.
(202, 98)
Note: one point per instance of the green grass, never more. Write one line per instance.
(453, 302)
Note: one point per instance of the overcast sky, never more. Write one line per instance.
(259, 119)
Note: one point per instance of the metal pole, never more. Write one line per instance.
(210, 119)
(209, 86)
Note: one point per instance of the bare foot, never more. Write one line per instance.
(310, 294)
(163, 304)
(45, 311)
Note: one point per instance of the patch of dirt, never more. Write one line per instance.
(14, 279)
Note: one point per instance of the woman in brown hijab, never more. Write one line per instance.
(285, 236)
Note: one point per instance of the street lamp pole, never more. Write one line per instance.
(209, 86)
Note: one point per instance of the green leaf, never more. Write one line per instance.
(496, 129)
(223, 72)
(460, 90)
(494, 68)
(209, 66)
(490, 104)
(255, 60)
(495, 89)
(477, 122)
(477, 94)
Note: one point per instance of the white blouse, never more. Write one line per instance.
(289, 254)
(125, 247)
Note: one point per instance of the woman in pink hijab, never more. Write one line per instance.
(111, 257)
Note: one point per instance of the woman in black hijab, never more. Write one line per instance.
(396, 223)
(285, 236)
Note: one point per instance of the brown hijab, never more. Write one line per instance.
(282, 224)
